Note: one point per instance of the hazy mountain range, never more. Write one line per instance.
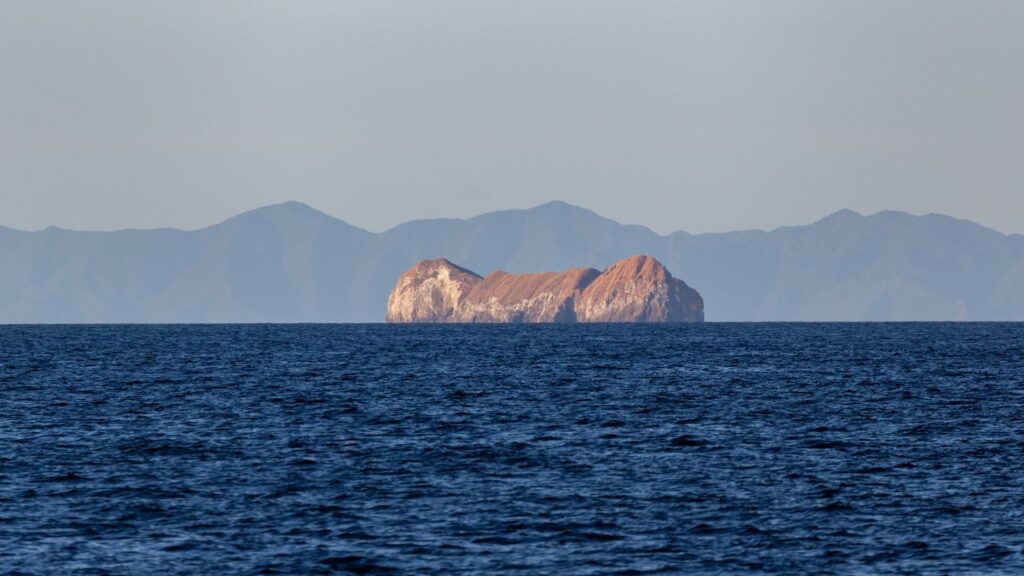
(291, 263)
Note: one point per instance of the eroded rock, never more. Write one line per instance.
(637, 289)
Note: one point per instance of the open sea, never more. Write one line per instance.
(575, 449)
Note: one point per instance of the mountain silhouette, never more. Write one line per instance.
(292, 263)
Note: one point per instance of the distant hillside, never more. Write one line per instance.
(291, 263)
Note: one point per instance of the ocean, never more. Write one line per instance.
(536, 449)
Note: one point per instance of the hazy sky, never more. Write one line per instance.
(694, 115)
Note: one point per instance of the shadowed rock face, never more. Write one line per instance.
(637, 289)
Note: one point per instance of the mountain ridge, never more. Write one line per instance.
(289, 262)
(298, 205)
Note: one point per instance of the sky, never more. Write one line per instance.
(680, 115)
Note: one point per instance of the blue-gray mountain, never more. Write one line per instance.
(291, 263)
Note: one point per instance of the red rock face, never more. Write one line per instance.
(637, 289)
(545, 297)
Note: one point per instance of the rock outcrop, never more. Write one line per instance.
(430, 291)
(637, 289)
(514, 298)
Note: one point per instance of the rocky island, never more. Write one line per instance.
(637, 289)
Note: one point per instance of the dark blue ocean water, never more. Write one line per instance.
(881, 448)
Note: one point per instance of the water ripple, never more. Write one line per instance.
(763, 448)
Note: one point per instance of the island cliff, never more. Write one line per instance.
(637, 289)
